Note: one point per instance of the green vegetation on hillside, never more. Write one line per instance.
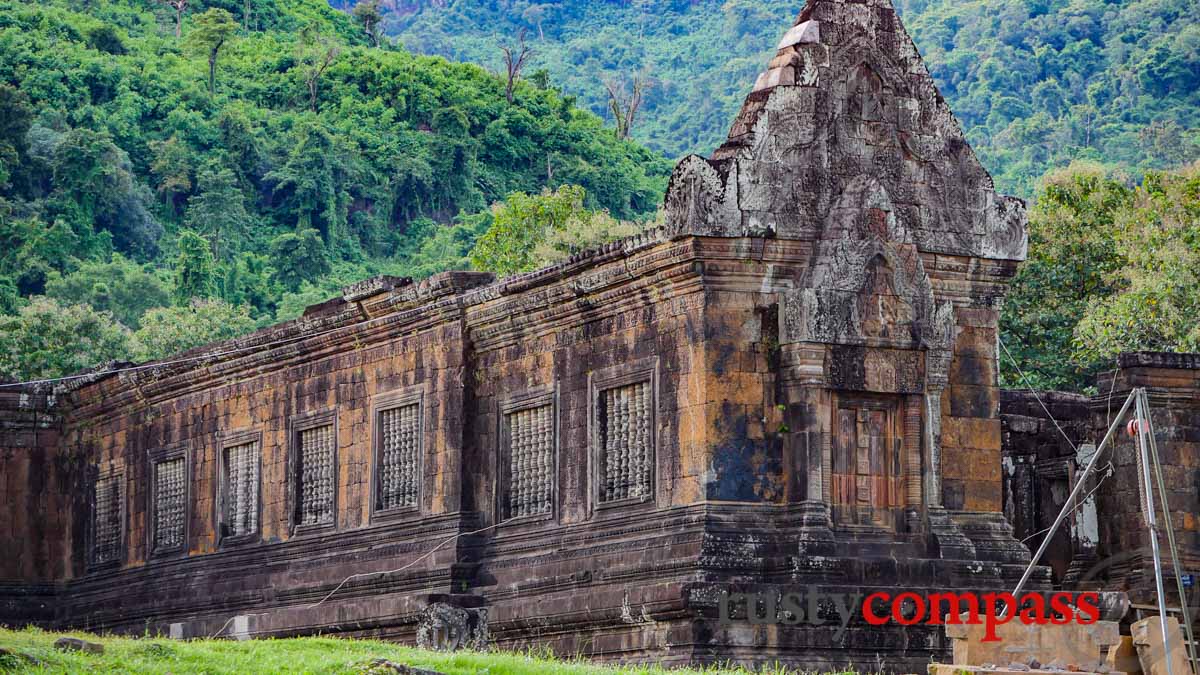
(1035, 84)
(298, 655)
(264, 158)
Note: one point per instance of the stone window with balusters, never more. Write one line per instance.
(527, 463)
(313, 459)
(623, 435)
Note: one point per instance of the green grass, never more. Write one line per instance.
(300, 655)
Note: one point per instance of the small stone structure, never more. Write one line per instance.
(791, 385)
(1106, 543)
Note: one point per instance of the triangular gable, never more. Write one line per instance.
(847, 96)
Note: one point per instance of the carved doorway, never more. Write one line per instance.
(867, 478)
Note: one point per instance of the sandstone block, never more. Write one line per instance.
(70, 644)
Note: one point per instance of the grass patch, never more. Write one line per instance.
(299, 655)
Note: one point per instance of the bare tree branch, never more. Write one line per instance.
(180, 6)
(514, 63)
(623, 103)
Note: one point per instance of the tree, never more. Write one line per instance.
(171, 165)
(180, 6)
(210, 31)
(1157, 304)
(1111, 268)
(95, 186)
(317, 52)
(120, 287)
(47, 340)
(520, 224)
(1073, 255)
(10, 297)
(514, 62)
(15, 119)
(584, 231)
(104, 38)
(195, 272)
(167, 331)
(370, 17)
(1166, 143)
(624, 102)
(218, 211)
(31, 251)
(536, 15)
(448, 247)
(307, 184)
(298, 257)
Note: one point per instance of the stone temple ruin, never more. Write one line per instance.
(793, 384)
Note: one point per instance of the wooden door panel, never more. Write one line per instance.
(867, 487)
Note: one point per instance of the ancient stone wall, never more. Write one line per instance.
(1173, 384)
(792, 384)
(1105, 542)
(35, 505)
(1040, 466)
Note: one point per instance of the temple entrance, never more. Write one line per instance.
(867, 485)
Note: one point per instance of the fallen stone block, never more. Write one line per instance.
(385, 667)
(1151, 651)
(1123, 657)
(948, 669)
(70, 644)
(1059, 646)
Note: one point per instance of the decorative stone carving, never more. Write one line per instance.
(399, 456)
(700, 201)
(867, 281)
(626, 457)
(170, 492)
(315, 486)
(373, 286)
(446, 628)
(847, 95)
(531, 461)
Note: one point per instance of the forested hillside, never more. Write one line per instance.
(1036, 83)
(177, 172)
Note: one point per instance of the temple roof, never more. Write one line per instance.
(847, 96)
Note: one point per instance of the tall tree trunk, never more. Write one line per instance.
(178, 22)
(212, 73)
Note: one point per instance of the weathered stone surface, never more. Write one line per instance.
(70, 644)
(446, 628)
(1082, 645)
(794, 382)
(386, 667)
(847, 97)
(1105, 541)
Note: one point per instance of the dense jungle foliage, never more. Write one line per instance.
(172, 177)
(1035, 83)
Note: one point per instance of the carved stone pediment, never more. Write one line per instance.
(702, 201)
(866, 283)
(847, 95)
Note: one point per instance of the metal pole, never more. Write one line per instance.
(1152, 521)
(1069, 506)
(1176, 563)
